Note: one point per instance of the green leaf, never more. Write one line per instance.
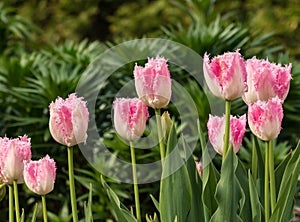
(245, 205)
(256, 207)
(121, 212)
(88, 208)
(228, 191)
(284, 206)
(210, 177)
(196, 213)
(156, 203)
(33, 219)
(175, 193)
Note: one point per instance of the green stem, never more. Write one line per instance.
(44, 208)
(11, 203)
(254, 159)
(72, 184)
(160, 136)
(135, 184)
(272, 176)
(227, 128)
(16, 197)
(267, 205)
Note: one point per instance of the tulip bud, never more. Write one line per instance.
(199, 168)
(130, 117)
(68, 122)
(265, 117)
(266, 80)
(216, 131)
(226, 75)
(13, 154)
(40, 175)
(166, 124)
(153, 83)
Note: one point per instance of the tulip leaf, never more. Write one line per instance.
(245, 205)
(284, 206)
(156, 203)
(280, 171)
(254, 200)
(210, 177)
(33, 219)
(228, 191)
(121, 212)
(175, 193)
(88, 207)
(196, 213)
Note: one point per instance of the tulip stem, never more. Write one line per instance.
(272, 175)
(227, 127)
(160, 136)
(16, 196)
(135, 184)
(44, 208)
(254, 159)
(11, 203)
(72, 184)
(267, 206)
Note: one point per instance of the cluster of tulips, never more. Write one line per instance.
(262, 85)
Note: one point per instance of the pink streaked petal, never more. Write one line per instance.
(210, 78)
(237, 131)
(216, 130)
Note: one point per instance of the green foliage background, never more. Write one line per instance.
(46, 45)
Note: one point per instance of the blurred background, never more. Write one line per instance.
(45, 46)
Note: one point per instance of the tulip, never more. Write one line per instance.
(69, 120)
(13, 154)
(265, 118)
(40, 175)
(216, 131)
(199, 168)
(266, 80)
(130, 117)
(226, 75)
(153, 83)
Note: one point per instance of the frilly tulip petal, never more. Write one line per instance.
(153, 83)
(266, 80)
(40, 175)
(68, 122)
(216, 131)
(225, 75)
(130, 117)
(265, 117)
(13, 154)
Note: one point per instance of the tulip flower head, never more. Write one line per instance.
(226, 75)
(265, 117)
(199, 168)
(69, 118)
(266, 80)
(130, 117)
(13, 154)
(153, 82)
(40, 175)
(216, 131)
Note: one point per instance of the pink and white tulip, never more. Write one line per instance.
(40, 175)
(216, 131)
(266, 80)
(265, 117)
(69, 119)
(130, 117)
(226, 75)
(153, 82)
(13, 154)
(199, 168)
